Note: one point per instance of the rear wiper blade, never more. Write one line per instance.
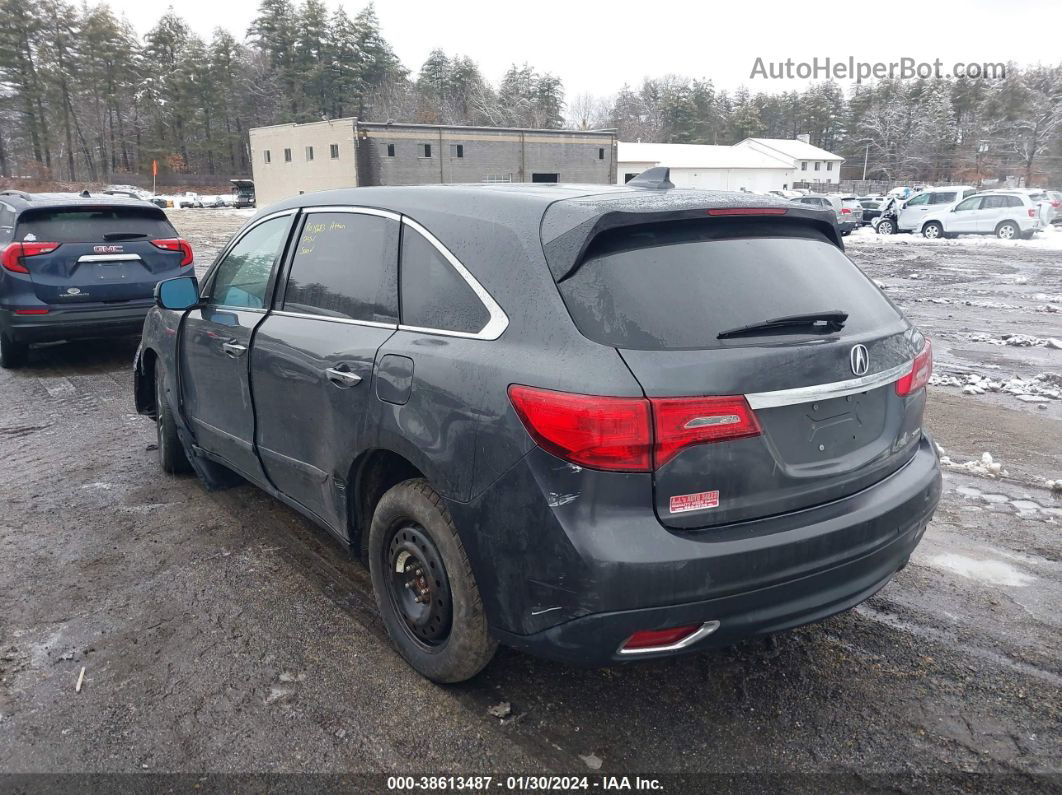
(123, 235)
(829, 320)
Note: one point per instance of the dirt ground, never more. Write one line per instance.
(221, 632)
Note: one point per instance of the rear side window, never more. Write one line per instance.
(344, 267)
(674, 286)
(942, 198)
(93, 225)
(434, 295)
(7, 222)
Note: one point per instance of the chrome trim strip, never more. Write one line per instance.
(498, 321)
(807, 394)
(347, 320)
(108, 257)
(706, 629)
(336, 208)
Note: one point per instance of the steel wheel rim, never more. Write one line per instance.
(417, 585)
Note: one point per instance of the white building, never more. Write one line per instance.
(811, 163)
(711, 167)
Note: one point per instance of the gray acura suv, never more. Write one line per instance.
(593, 423)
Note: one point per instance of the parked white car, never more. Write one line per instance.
(1008, 216)
(911, 215)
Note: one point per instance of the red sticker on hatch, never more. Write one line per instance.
(695, 502)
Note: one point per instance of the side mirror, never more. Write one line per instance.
(179, 293)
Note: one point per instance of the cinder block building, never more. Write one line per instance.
(291, 158)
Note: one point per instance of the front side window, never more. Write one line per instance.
(969, 204)
(434, 295)
(917, 201)
(242, 277)
(344, 267)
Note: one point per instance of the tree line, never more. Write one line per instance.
(82, 97)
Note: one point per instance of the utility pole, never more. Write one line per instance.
(866, 157)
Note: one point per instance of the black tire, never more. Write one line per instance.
(172, 457)
(436, 622)
(12, 354)
(886, 226)
(934, 230)
(1008, 230)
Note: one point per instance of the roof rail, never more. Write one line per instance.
(12, 192)
(657, 178)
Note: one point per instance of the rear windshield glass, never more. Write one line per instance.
(93, 225)
(667, 286)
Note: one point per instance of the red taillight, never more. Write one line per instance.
(920, 372)
(611, 433)
(176, 244)
(1032, 212)
(13, 253)
(628, 434)
(1056, 203)
(684, 422)
(650, 638)
(747, 211)
(846, 211)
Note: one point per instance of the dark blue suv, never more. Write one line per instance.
(594, 423)
(80, 266)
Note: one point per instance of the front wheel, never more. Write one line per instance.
(886, 227)
(424, 588)
(1008, 230)
(933, 231)
(12, 354)
(172, 458)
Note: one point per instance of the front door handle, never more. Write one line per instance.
(233, 349)
(342, 377)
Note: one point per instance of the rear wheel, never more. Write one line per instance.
(172, 458)
(933, 230)
(1008, 230)
(12, 354)
(886, 227)
(424, 587)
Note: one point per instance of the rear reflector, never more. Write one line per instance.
(13, 254)
(650, 638)
(747, 211)
(921, 370)
(31, 311)
(622, 434)
(176, 244)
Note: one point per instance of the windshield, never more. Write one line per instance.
(665, 287)
(93, 224)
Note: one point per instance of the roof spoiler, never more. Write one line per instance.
(657, 178)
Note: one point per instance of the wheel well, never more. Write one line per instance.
(1013, 223)
(373, 474)
(144, 384)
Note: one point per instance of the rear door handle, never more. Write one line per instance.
(233, 349)
(342, 377)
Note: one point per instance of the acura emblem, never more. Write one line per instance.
(860, 359)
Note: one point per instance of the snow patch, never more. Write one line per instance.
(992, 572)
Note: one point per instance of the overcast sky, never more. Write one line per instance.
(598, 46)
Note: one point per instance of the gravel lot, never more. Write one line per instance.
(222, 632)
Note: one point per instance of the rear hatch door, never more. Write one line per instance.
(823, 392)
(104, 254)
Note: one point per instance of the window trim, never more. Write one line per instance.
(206, 294)
(282, 278)
(498, 321)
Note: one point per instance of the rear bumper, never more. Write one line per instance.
(64, 323)
(583, 599)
